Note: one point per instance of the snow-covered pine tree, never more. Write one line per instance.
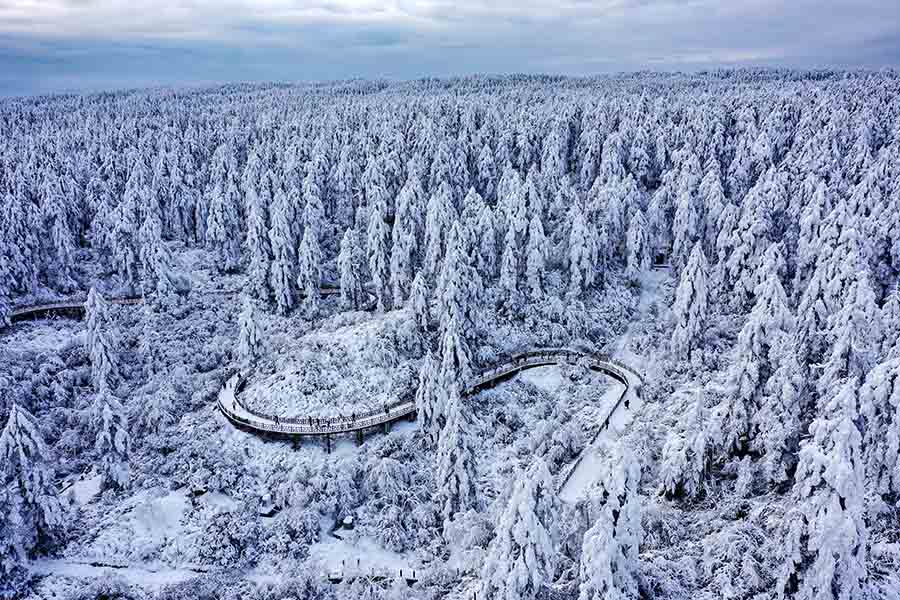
(687, 226)
(455, 293)
(638, 245)
(32, 513)
(257, 246)
(404, 252)
(350, 269)
(825, 534)
(582, 255)
(879, 406)
(282, 274)
(610, 559)
(223, 220)
(456, 358)
(112, 444)
(521, 559)
(778, 422)
(771, 317)
(439, 217)
(855, 334)
(250, 342)
(685, 456)
(536, 261)
(309, 276)
(379, 253)
(429, 411)
(419, 302)
(509, 268)
(890, 324)
(6, 285)
(712, 195)
(486, 237)
(103, 369)
(455, 475)
(691, 305)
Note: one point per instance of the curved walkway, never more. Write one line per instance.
(243, 417)
(62, 308)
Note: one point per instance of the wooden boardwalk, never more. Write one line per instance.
(244, 418)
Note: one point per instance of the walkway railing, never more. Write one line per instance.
(63, 306)
(239, 414)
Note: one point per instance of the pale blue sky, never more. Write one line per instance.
(72, 45)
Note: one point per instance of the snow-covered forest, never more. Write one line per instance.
(731, 239)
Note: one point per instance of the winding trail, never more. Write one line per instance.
(241, 416)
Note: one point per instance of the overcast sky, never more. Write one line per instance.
(66, 45)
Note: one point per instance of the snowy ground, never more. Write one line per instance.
(44, 335)
(332, 372)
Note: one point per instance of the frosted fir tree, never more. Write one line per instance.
(456, 358)
(685, 456)
(428, 400)
(282, 272)
(712, 197)
(379, 259)
(809, 243)
(638, 246)
(455, 294)
(439, 217)
(486, 254)
(753, 365)
(686, 227)
(610, 560)
(855, 331)
(890, 323)
(879, 406)
(536, 260)
(103, 370)
(112, 442)
(419, 302)
(534, 197)
(778, 422)
(5, 292)
(61, 235)
(309, 276)
(404, 251)
(509, 268)
(691, 305)
(250, 342)
(125, 234)
(455, 474)
(258, 249)
(486, 173)
(521, 559)
(350, 268)
(223, 220)
(582, 254)
(313, 209)
(32, 513)
(825, 534)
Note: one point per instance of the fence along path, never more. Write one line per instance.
(240, 415)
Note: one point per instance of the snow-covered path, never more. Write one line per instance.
(586, 471)
(143, 575)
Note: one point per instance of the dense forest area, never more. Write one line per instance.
(733, 235)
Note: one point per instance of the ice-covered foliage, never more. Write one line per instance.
(731, 236)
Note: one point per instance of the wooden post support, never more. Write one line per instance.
(387, 426)
(359, 437)
(328, 443)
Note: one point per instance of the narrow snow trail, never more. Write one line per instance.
(147, 575)
(587, 470)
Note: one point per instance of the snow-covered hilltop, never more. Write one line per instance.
(729, 240)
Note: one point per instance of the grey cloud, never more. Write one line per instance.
(266, 39)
